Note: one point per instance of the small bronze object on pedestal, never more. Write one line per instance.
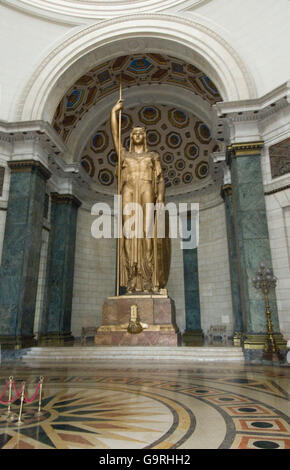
(264, 281)
(135, 325)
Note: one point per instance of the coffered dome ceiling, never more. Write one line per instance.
(182, 140)
(136, 70)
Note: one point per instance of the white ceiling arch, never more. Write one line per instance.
(83, 10)
(88, 46)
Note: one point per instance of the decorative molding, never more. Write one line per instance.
(250, 119)
(74, 11)
(256, 108)
(33, 130)
(257, 341)
(246, 148)
(21, 166)
(58, 198)
(277, 190)
(227, 69)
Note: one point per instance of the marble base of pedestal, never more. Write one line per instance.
(156, 311)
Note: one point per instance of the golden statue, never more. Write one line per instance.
(143, 262)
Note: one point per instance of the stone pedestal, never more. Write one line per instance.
(156, 311)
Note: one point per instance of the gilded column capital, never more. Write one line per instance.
(21, 166)
(65, 199)
(245, 148)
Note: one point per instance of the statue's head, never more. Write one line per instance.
(138, 137)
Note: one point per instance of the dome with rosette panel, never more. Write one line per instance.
(183, 141)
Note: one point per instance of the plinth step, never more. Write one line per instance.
(136, 353)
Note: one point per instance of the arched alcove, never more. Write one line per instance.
(52, 83)
(90, 46)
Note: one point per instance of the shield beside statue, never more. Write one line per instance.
(164, 255)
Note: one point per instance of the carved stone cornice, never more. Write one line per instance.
(233, 118)
(21, 166)
(257, 108)
(38, 131)
(58, 198)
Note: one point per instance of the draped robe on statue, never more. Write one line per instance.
(144, 262)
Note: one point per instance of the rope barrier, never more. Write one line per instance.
(3, 393)
(18, 393)
(13, 399)
(30, 400)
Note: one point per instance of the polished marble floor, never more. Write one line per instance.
(151, 406)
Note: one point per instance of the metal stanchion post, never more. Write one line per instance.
(39, 412)
(10, 416)
(19, 422)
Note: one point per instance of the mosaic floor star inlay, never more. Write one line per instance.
(166, 407)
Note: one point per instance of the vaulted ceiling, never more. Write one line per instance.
(135, 70)
(183, 141)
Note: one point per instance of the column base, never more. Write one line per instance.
(258, 341)
(238, 339)
(193, 338)
(257, 356)
(55, 339)
(254, 350)
(16, 342)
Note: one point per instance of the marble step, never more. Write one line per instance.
(92, 353)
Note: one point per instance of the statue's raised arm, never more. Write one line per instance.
(114, 124)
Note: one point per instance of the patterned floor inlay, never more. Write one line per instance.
(174, 407)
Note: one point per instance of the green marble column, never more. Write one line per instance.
(252, 244)
(226, 193)
(193, 335)
(56, 320)
(21, 252)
